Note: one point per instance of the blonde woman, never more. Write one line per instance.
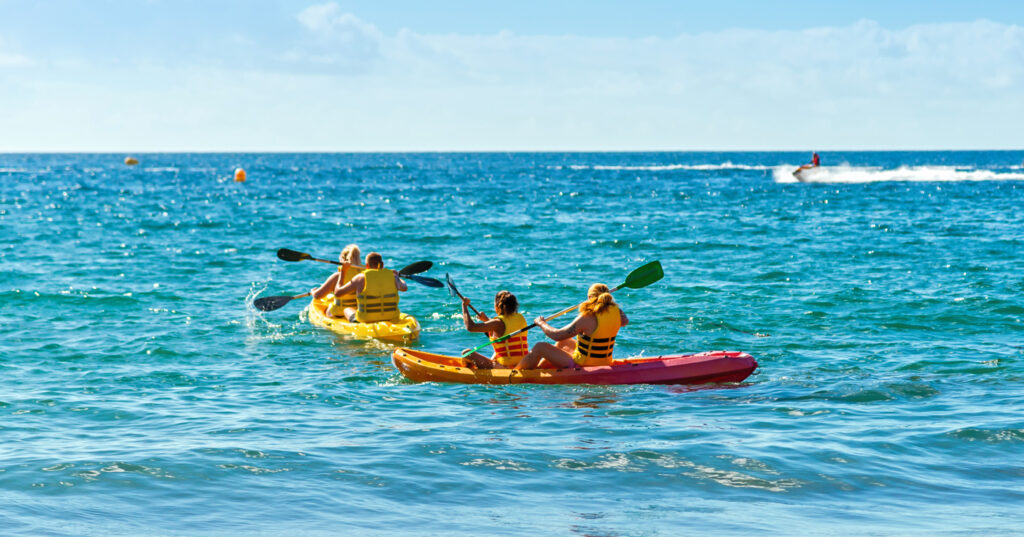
(376, 289)
(594, 328)
(508, 353)
(351, 264)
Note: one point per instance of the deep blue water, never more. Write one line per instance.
(141, 394)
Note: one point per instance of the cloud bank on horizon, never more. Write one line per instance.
(329, 80)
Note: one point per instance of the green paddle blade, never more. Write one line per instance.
(416, 268)
(292, 255)
(644, 276)
(271, 303)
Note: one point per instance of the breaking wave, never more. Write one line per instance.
(868, 174)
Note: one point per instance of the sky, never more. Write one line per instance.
(285, 75)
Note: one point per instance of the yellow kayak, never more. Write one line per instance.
(404, 330)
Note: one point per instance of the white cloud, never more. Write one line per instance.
(339, 40)
(342, 84)
(861, 61)
(13, 60)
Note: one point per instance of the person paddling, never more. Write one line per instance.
(376, 290)
(350, 266)
(595, 329)
(507, 353)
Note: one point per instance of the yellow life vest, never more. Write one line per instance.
(509, 352)
(596, 349)
(349, 300)
(379, 299)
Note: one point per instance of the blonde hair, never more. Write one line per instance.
(599, 299)
(350, 254)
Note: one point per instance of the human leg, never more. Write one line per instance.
(333, 311)
(477, 361)
(546, 351)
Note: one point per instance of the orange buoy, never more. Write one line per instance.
(131, 161)
(239, 175)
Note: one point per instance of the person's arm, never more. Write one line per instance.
(327, 287)
(623, 320)
(576, 327)
(488, 326)
(353, 286)
(400, 283)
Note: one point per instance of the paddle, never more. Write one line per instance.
(271, 303)
(422, 280)
(415, 268)
(455, 292)
(292, 255)
(639, 278)
(407, 272)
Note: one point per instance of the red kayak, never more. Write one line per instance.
(701, 368)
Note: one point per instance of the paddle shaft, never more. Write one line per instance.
(471, 306)
(458, 294)
(360, 267)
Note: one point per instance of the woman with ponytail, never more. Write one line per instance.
(351, 264)
(508, 353)
(594, 329)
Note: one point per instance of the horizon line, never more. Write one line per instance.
(493, 151)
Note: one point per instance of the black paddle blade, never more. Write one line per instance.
(416, 268)
(271, 303)
(451, 286)
(292, 255)
(424, 280)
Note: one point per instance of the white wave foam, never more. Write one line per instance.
(661, 167)
(863, 174)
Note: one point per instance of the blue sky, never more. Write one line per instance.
(461, 75)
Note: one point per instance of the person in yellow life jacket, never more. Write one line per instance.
(376, 290)
(507, 353)
(350, 266)
(594, 328)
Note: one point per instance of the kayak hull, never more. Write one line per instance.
(701, 368)
(405, 330)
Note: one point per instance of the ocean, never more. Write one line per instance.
(141, 393)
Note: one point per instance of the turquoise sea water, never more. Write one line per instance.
(141, 394)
